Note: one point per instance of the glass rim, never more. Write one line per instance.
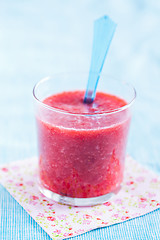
(129, 104)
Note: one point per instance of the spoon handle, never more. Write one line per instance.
(104, 29)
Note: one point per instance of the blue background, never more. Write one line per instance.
(41, 38)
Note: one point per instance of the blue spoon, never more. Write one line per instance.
(104, 29)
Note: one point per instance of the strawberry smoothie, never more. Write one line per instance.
(82, 146)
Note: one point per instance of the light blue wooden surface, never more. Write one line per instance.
(40, 38)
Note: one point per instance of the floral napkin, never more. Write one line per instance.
(140, 194)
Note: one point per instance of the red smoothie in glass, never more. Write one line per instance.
(82, 146)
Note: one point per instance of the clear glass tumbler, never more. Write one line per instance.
(81, 156)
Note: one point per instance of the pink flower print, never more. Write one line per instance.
(79, 231)
(50, 204)
(35, 175)
(70, 234)
(10, 181)
(4, 169)
(107, 204)
(150, 195)
(62, 217)
(35, 197)
(51, 218)
(154, 180)
(67, 234)
(142, 199)
(87, 216)
(97, 213)
(115, 215)
(129, 183)
(118, 201)
(142, 205)
(15, 168)
(30, 183)
(105, 223)
(140, 179)
(41, 195)
(19, 184)
(124, 218)
(158, 204)
(33, 200)
(57, 231)
(40, 215)
(86, 221)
